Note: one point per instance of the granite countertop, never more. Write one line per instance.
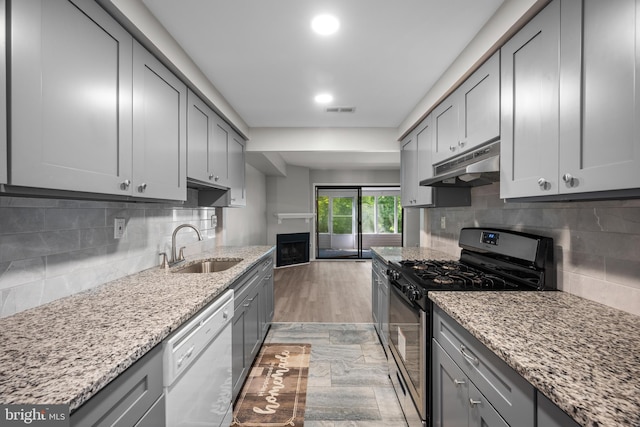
(66, 351)
(584, 356)
(389, 253)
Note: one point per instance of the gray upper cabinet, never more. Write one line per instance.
(3, 94)
(479, 100)
(159, 129)
(599, 111)
(415, 159)
(569, 102)
(530, 122)
(469, 116)
(71, 81)
(206, 154)
(236, 173)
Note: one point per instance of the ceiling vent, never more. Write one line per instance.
(341, 109)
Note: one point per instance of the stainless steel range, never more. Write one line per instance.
(491, 260)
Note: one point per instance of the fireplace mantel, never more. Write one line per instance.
(305, 216)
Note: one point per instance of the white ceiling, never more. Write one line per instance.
(264, 59)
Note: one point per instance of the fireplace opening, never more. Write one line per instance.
(292, 248)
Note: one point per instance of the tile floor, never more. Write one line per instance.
(348, 382)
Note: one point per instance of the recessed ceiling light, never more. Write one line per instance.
(323, 98)
(325, 24)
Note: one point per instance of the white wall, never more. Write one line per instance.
(248, 225)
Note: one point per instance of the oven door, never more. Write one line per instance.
(408, 341)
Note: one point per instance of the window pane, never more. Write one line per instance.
(368, 214)
(399, 210)
(343, 206)
(386, 214)
(342, 225)
(323, 214)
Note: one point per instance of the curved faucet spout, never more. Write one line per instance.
(174, 258)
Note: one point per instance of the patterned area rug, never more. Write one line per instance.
(274, 393)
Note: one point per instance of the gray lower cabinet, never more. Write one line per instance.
(456, 401)
(133, 398)
(549, 415)
(159, 129)
(71, 79)
(471, 381)
(251, 318)
(380, 299)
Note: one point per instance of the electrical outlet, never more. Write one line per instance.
(118, 228)
(443, 222)
(214, 221)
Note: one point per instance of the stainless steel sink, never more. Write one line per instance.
(209, 266)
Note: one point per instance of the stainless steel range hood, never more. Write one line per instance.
(478, 167)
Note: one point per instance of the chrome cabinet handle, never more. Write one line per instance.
(467, 356)
(124, 185)
(458, 382)
(569, 179)
(142, 187)
(473, 403)
(544, 184)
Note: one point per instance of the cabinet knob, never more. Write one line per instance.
(473, 403)
(569, 179)
(211, 176)
(125, 184)
(452, 147)
(216, 178)
(142, 187)
(544, 184)
(462, 143)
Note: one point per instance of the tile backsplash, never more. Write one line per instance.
(51, 248)
(597, 243)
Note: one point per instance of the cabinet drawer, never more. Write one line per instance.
(511, 395)
(246, 286)
(267, 264)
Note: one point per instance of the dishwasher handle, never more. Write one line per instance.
(184, 346)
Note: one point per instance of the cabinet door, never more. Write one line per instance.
(238, 367)
(408, 177)
(481, 413)
(479, 100)
(220, 149)
(159, 130)
(445, 129)
(450, 388)
(3, 94)
(600, 144)
(252, 329)
(423, 162)
(549, 415)
(71, 105)
(529, 107)
(266, 298)
(202, 155)
(237, 170)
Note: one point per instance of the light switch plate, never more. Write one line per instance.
(443, 222)
(118, 228)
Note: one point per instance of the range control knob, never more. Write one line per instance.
(394, 275)
(414, 294)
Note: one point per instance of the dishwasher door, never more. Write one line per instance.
(197, 370)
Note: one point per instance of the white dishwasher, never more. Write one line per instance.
(197, 368)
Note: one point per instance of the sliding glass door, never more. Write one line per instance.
(350, 220)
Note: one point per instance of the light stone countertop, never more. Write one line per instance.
(584, 356)
(66, 351)
(389, 253)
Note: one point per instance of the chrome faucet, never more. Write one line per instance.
(175, 259)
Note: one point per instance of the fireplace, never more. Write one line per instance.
(292, 248)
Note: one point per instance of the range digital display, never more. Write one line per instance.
(490, 238)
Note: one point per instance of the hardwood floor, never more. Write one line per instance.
(324, 292)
